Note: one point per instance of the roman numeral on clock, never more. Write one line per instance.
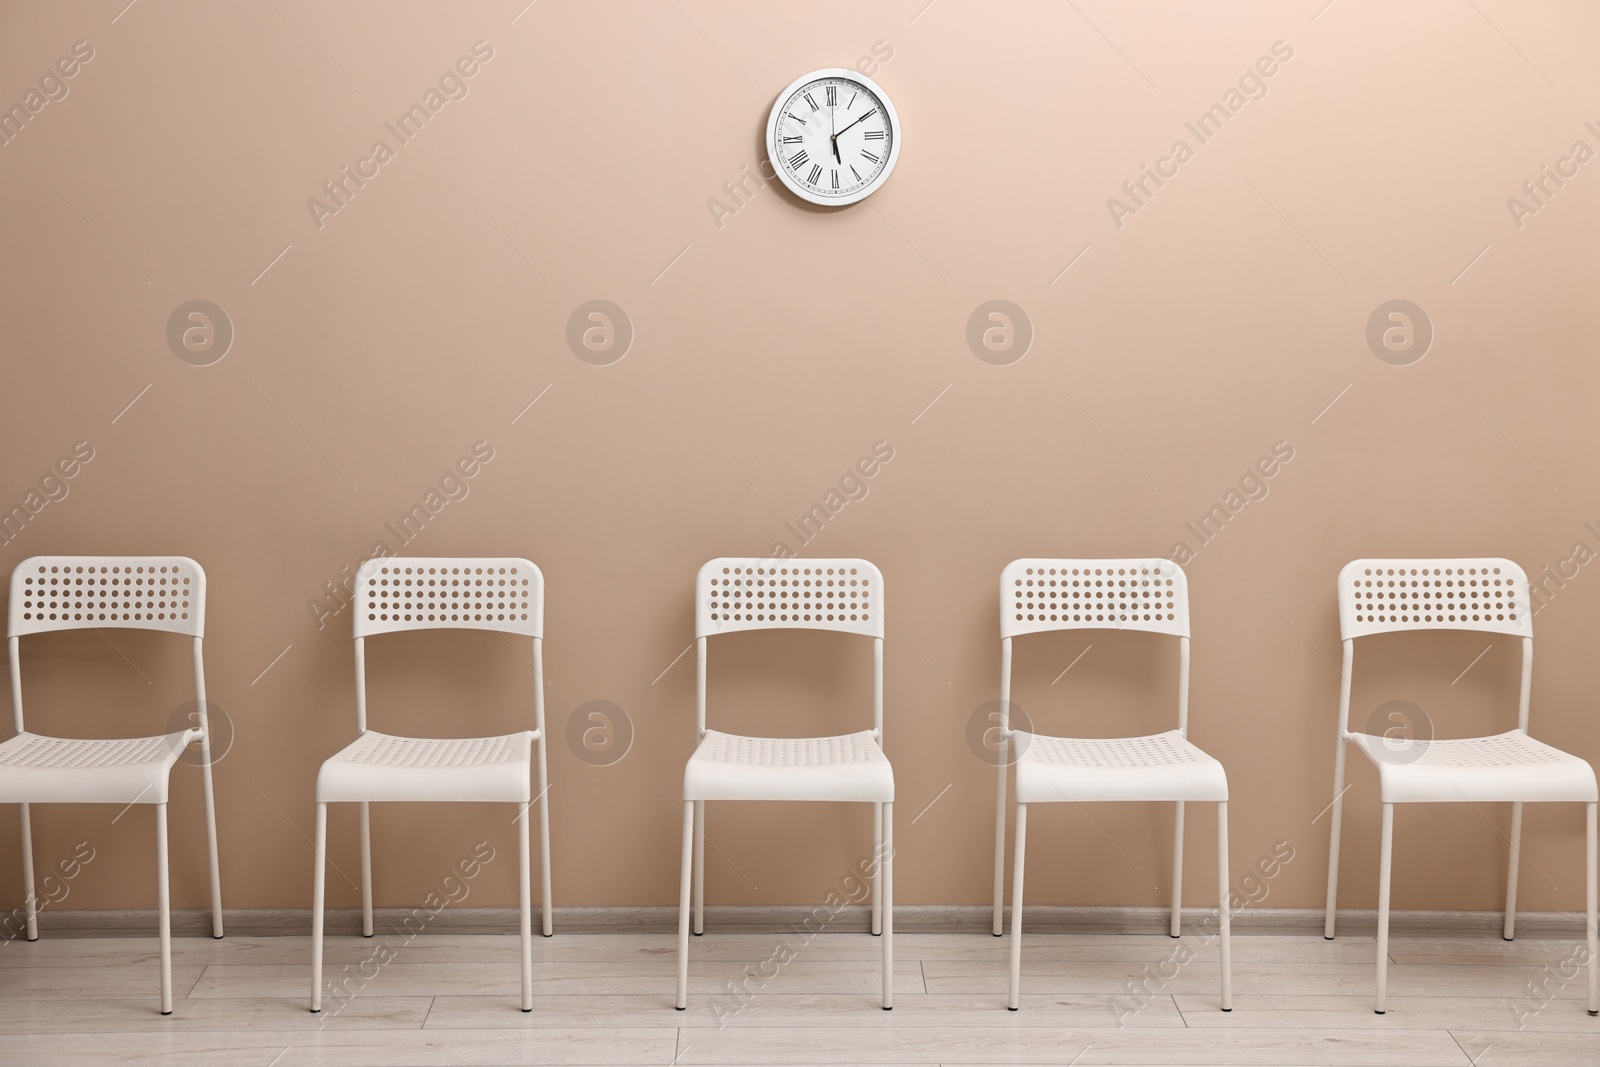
(833, 95)
(816, 172)
(792, 140)
(798, 159)
(812, 101)
(836, 179)
(873, 135)
(869, 155)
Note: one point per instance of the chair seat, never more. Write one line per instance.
(1158, 767)
(35, 769)
(730, 767)
(383, 767)
(1502, 767)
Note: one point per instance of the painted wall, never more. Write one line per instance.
(1179, 332)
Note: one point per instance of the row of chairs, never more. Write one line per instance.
(844, 595)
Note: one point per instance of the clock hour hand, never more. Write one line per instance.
(833, 138)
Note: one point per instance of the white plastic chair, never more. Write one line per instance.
(1038, 595)
(1488, 595)
(421, 593)
(162, 593)
(845, 595)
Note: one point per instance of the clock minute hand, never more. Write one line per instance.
(868, 114)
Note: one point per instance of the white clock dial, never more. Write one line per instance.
(833, 137)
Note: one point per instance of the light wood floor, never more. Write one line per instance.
(607, 999)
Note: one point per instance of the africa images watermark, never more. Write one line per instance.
(453, 487)
(56, 887)
(1552, 578)
(852, 486)
(853, 888)
(52, 88)
(1252, 487)
(199, 332)
(599, 733)
(1538, 191)
(453, 85)
(1252, 85)
(999, 332)
(1553, 978)
(599, 332)
(452, 888)
(1253, 888)
(52, 488)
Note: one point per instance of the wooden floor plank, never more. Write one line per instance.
(447, 1000)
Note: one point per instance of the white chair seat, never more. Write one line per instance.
(1502, 767)
(382, 767)
(1158, 767)
(35, 769)
(849, 767)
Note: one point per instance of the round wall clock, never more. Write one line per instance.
(833, 137)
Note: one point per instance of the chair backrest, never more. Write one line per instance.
(1384, 595)
(163, 593)
(1487, 594)
(166, 593)
(1144, 593)
(736, 593)
(774, 594)
(448, 593)
(504, 594)
(1150, 594)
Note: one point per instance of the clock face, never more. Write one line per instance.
(833, 137)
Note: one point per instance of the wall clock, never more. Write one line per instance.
(833, 137)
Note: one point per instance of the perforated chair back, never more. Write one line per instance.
(1385, 595)
(1038, 595)
(734, 594)
(433, 593)
(166, 593)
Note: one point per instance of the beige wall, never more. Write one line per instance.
(774, 346)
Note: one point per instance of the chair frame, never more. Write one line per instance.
(1013, 625)
(693, 858)
(1352, 624)
(192, 624)
(370, 622)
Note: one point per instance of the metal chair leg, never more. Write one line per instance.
(1335, 825)
(211, 846)
(886, 869)
(547, 927)
(163, 909)
(1016, 906)
(1177, 873)
(1511, 871)
(1000, 848)
(685, 877)
(525, 905)
(29, 900)
(1223, 906)
(1385, 862)
(877, 871)
(366, 870)
(700, 868)
(1592, 881)
(319, 861)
